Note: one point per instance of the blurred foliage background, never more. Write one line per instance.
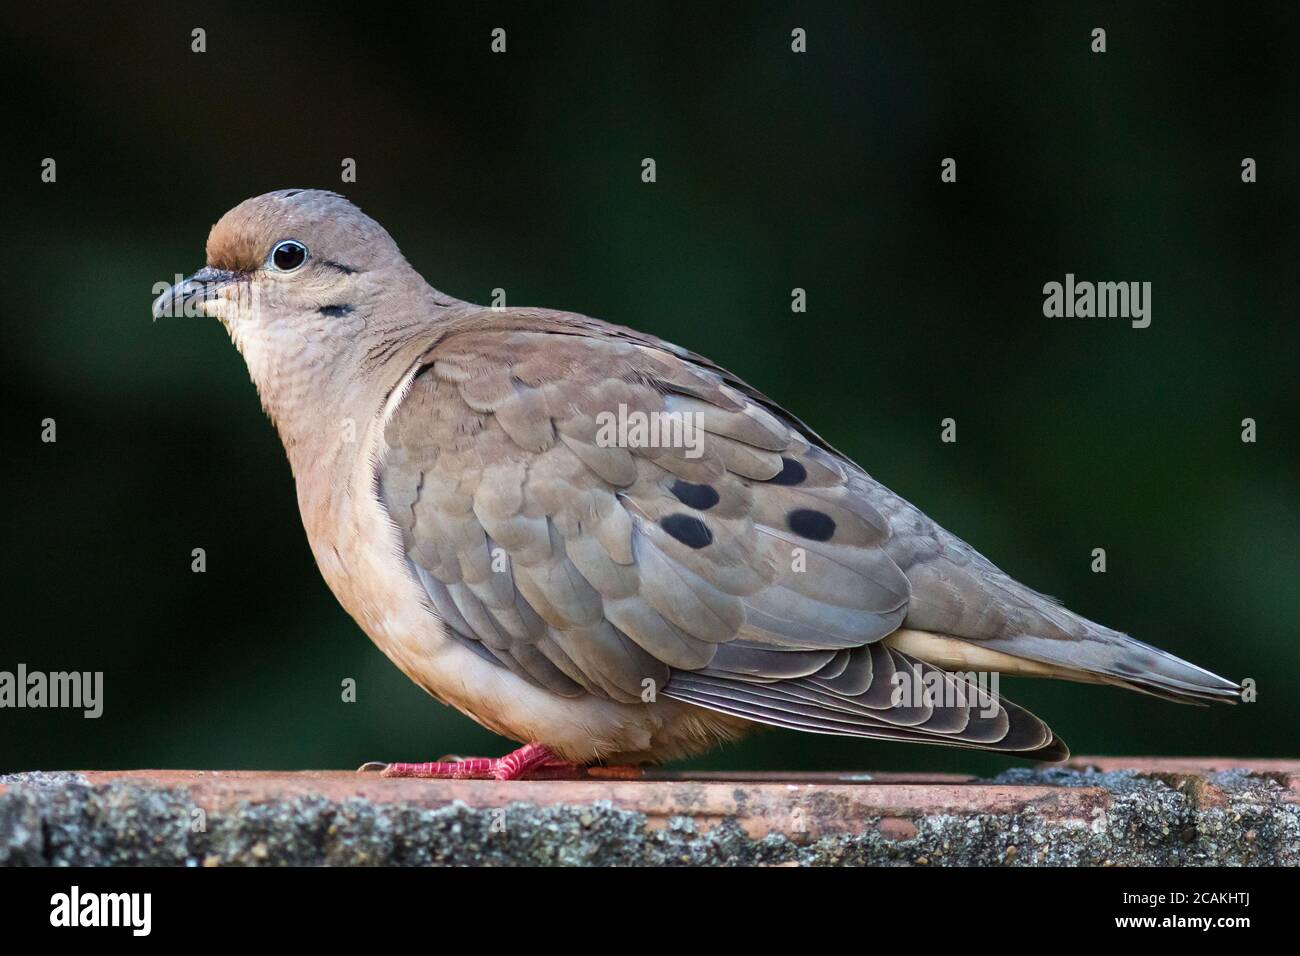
(775, 170)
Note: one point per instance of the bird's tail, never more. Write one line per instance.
(1093, 654)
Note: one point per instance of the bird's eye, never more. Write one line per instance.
(287, 255)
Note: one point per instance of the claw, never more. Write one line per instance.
(531, 761)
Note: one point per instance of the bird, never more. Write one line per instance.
(603, 546)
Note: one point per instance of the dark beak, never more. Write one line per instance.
(185, 296)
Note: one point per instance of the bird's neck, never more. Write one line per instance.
(325, 390)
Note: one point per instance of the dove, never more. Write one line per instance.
(606, 547)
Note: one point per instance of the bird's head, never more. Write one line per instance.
(284, 257)
(310, 289)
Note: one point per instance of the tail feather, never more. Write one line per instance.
(1122, 660)
(855, 699)
(1095, 655)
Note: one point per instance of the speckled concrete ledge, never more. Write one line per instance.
(1095, 811)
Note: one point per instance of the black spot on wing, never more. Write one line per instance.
(792, 473)
(690, 531)
(334, 311)
(811, 524)
(699, 497)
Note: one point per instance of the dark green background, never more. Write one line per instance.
(775, 170)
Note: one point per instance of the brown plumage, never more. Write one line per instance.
(472, 502)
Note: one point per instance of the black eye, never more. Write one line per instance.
(288, 255)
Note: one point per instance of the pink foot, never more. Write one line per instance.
(531, 761)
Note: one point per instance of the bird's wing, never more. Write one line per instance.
(601, 513)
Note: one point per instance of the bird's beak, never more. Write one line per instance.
(186, 296)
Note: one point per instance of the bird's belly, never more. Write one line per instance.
(360, 559)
